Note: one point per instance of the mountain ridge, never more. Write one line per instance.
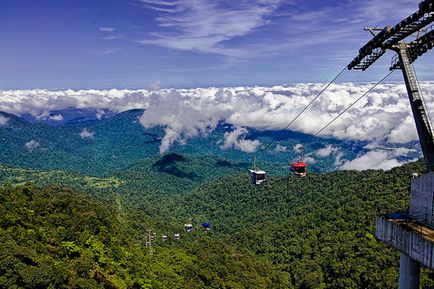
(119, 141)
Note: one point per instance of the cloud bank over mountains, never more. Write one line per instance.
(384, 115)
(235, 139)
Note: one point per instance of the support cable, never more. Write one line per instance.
(346, 109)
(394, 12)
(352, 104)
(305, 108)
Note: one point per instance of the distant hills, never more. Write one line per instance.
(69, 116)
(100, 142)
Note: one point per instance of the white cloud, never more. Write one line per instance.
(86, 133)
(315, 24)
(371, 160)
(160, 2)
(100, 114)
(401, 151)
(333, 151)
(297, 147)
(372, 146)
(393, 150)
(204, 26)
(339, 159)
(281, 148)
(57, 117)
(378, 159)
(156, 85)
(39, 102)
(46, 115)
(209, 26)
(384, 115)
(106, 29)
(31, 145)
(232, 140)
(3, 120)
(309, 160)
(182, 116)
(327, 151)
(404, 132)
(43, 115)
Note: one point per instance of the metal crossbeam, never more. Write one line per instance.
(388, 37)
(416, 49)
(422, 45)
(407, 27)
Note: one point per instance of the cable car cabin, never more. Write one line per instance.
(206, 226)
(188, 227)
(165, 238)
(299, 169)
(177, 236)
(258, 176)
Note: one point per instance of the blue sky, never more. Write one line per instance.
(57, 44)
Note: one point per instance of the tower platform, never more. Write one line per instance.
(411, 237)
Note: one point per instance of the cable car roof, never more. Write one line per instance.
(299, 164)
(258, 172)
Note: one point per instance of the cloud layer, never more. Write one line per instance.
(205, 26)
(235, 139)
(86, 133)
(31, 145)
(3, 120)
(217, 27)
(384, 115)
(376, 159)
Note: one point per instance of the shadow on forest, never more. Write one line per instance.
(168, 164)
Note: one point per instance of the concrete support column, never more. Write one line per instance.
(409, 273)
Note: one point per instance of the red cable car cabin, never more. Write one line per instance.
(299, 169)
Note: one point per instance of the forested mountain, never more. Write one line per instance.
(316, 232)
(320, 230)
(78, 198)
(57, 238)
(69, 116)
(116, 143)
(104, 145)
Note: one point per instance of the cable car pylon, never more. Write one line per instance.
(391, 229)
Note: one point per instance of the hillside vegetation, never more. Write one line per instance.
(57, 238)
(316, 232)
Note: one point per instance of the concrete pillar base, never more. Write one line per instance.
(409, 273)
